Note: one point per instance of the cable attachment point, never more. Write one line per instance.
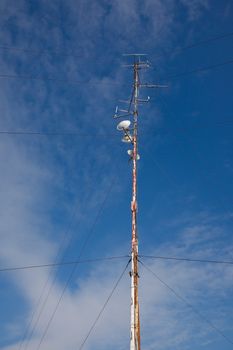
(135, 274)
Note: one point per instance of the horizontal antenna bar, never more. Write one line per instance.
(121, 115)
(127, 65)
(143, 65)
(153, 86)
(124, 101)
(123, 110)
(134, 54)
(139, 64)
(141, 100)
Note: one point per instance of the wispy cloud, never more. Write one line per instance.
(43, 180)
(165, 319)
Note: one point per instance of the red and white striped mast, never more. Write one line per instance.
(131, 137)
(134, 319)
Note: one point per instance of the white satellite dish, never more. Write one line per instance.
(126, 139)
(130, 153)
(124, 125)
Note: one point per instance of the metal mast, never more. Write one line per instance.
(135, 321)
(131, 137)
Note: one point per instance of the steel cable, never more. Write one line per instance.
(75, 265)
(198, 313)
(104, 306)
(65, 263)
(187, 259)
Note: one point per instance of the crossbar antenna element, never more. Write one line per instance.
(130, 135)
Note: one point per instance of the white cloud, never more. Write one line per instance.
(165, 319)
(30, 177)
(195, 8)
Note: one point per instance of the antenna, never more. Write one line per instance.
(124, 125)
(132, 111)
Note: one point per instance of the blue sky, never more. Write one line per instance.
(58, 190)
